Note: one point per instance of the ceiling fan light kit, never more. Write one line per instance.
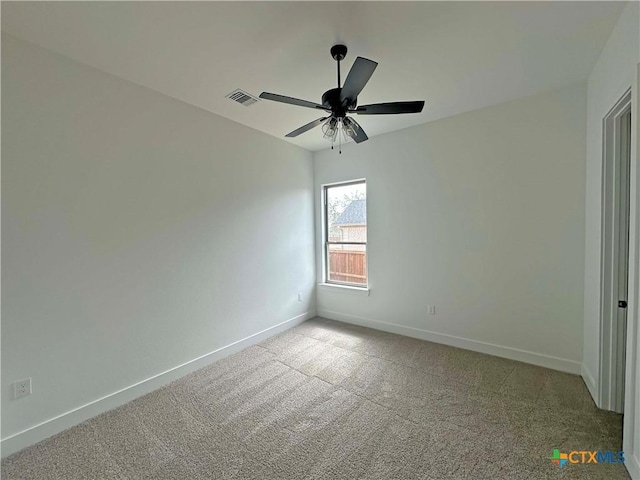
(342, 101)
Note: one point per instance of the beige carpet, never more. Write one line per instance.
(333, 401)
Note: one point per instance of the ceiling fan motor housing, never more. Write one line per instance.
(331, 99)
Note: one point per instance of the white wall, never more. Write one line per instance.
(611, 77)
(481, 214)
(139, 233)
(616, 70)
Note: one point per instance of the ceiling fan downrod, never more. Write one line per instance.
(338, 52)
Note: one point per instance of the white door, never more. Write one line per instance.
(615, 254)
(623, 254)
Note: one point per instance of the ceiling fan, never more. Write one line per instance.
(342, 101)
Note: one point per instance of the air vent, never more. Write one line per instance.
(242, 97)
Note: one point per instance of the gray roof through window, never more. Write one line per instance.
(354, 214)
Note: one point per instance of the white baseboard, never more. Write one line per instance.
(31, 435)
(633, 466)
(591, 384)
(555, 363)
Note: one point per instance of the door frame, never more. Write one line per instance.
(612, 326)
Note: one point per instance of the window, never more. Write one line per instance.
(345, 230)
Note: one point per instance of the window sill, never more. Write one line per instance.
(334, 287)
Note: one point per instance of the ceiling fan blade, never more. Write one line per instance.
(306, 127)
(357, 78)
(291, 101)
(359, 136)
(390, 108)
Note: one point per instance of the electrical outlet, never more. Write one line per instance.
(299, 296)
(431, 309)
(22, 388)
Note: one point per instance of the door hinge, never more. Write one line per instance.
(622, 304)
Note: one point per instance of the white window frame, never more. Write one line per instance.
(326, 243)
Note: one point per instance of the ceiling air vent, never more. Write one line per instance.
(242, 97)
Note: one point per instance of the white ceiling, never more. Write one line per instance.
(458, 56)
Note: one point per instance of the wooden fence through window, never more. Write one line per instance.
(348, 266)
